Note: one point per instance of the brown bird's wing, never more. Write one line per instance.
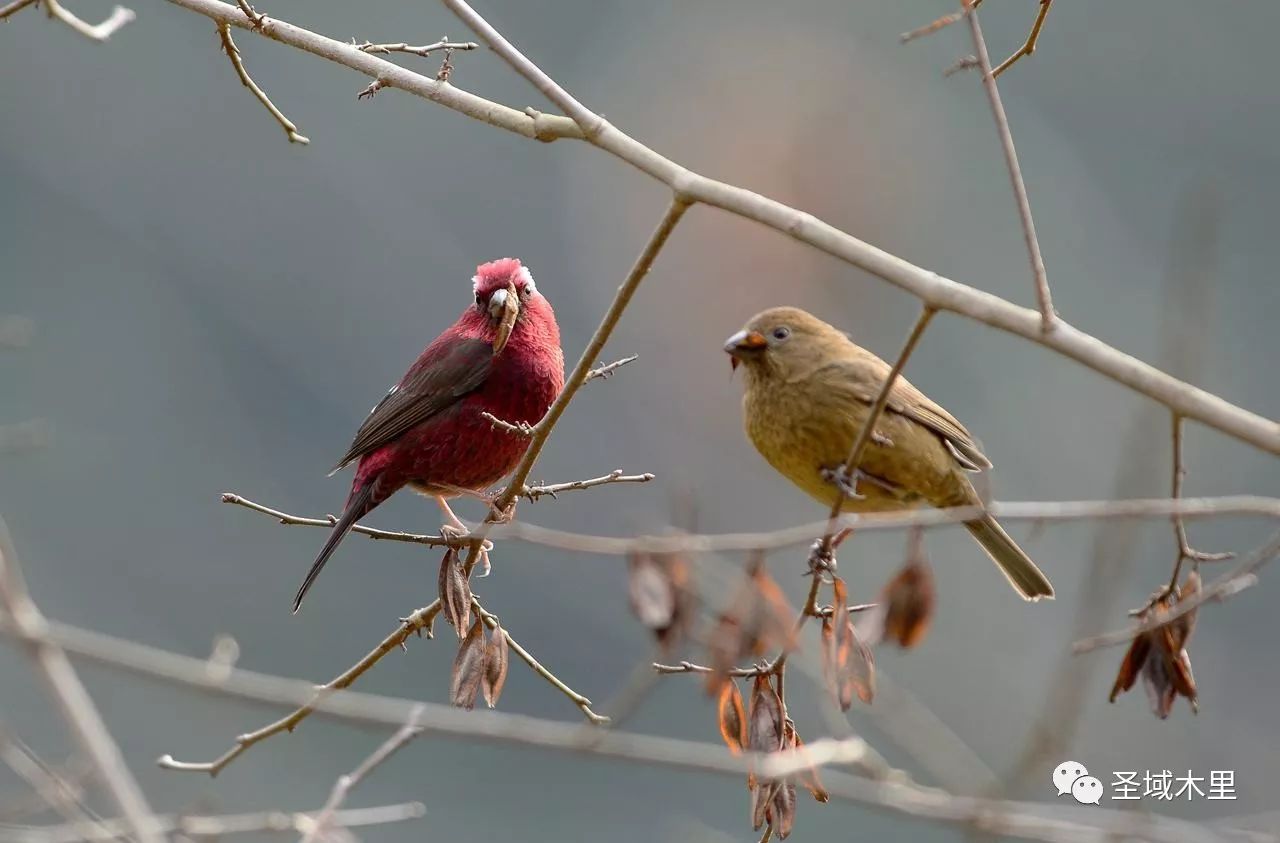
(865, 375)
(438, 382)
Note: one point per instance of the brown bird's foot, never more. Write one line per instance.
(846, 482)
(881, 440)
(822, 561)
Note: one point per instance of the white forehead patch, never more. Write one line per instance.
(475, 283)
(523, 275)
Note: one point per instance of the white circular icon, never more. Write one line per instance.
(1066, 773)
(1087, 790)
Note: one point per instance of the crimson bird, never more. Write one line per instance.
(503, 357)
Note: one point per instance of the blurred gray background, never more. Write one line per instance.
(216, 310)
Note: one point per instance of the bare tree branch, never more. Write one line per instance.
(1032, 821)
(200, 826)
(94, 32)
(327, 819)
(1047, 314)
(233, 52)
(69, 694)
(931, 288)
(1041, 511)
(1241, 577)
(419, 622)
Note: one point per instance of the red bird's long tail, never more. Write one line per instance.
(358, 505)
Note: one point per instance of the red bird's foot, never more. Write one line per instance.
(457, 533)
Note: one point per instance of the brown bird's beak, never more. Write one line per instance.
(504, 305)
(743, 343)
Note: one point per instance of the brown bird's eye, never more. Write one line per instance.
(781, 332)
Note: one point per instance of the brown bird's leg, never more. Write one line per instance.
(846, 482)
(454, 528)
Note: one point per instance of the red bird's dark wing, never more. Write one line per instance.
(427, 390)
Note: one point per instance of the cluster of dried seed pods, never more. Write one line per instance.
(1160, 655)
(481, 662)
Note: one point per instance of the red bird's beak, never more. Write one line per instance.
(742, 344)
(504, 305)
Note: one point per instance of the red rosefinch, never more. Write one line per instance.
(809, 391)
(503, 357)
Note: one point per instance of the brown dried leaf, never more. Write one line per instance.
(773, 614)
(1185, 625)
(495, 666)
(469, 667)
(732, 717)
(782, 811)
(764, 729)
(809, 776)
(909, 600)
(723, 647)
(762, 794)
(455, 593)
(848, 664)
(1134, 661)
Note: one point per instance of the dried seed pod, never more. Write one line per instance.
(809, 776)
(732, 717)
(848, 664)
(469, 667)
(455, 593)
(782, 810)
(495, 669)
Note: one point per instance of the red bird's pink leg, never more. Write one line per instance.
(455, 528)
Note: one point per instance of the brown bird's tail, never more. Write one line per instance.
(358, 506)
(1016, 565)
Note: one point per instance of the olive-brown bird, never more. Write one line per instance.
(809, 389)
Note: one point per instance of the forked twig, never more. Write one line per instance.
(233, 53)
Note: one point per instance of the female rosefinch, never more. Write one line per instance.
(503, 357)
(809, 391)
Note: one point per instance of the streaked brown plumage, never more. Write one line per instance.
(809, 389)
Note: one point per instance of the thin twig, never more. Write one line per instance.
(420, 622)
(71, 697)
(345, 784)
(609, 368)
(1028, 820)
(615, 476)
(849, 471)
(583, 704)
(203, 826)
(1185, 550)
(54, 790)
(1043, 511)
(1048, 316)
(12, 8)
(930, 28)
(424, 51)
(542, 430)
(233, 52)
(1241, 577)
(1029, 46)
(94, 32)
